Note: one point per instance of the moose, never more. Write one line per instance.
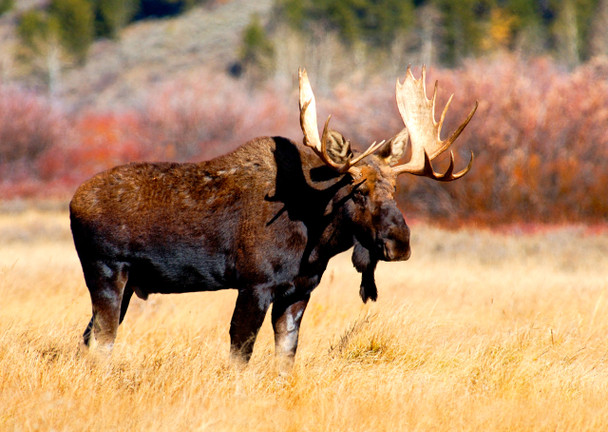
(264, 219)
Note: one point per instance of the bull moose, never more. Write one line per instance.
(264, 220)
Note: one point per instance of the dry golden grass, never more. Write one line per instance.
(477, 332)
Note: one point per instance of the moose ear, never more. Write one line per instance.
(338, 147)
(394, 149)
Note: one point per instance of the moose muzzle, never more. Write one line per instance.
(393, 241)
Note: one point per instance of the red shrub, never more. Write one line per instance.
(29, 127)
(540, 138)
(105, 140)
(203, 118)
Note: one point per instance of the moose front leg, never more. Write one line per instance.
(249, 312)
(286, 318)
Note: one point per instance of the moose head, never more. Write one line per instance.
(380, 230)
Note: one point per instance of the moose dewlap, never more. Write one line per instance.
(264, 220)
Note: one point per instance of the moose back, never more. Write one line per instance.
(264, 220)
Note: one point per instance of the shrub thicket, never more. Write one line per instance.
(30, 127)
(539, 136)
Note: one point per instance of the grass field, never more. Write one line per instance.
(479, 331)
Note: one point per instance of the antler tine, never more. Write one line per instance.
(308, 112)
(303, 110)
(308, 121)
(448, 172)
(460, 128)
(423, 80)
(428, 171)
(418, 113)
(370, 150)
(460, 173)
(445, 110)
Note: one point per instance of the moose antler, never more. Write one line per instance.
(418, 113)
(308, 123)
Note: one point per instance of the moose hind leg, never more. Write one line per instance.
(106, 285)
(286, 318)
(249, 312)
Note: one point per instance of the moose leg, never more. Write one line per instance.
(126, 298)
(106, 286)
(249, 312)
(286, 318)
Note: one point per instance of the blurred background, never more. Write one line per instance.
(89, 84)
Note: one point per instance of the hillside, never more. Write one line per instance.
(362, 38)
(148, 52)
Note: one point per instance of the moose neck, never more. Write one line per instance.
(331, 232)
(310, 193)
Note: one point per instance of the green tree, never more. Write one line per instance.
(375, 22)
(463, 27)
(598, 36)
(566, 32)
(293, 11)
(40, 46)
(51, 38)
(76, 22)
(257, 51)
(586, 12)
(530, 33)
(6, 5)
(114, 15)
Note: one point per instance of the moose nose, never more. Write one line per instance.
(395, 235)
(394, 250)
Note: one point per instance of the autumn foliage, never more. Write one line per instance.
(540, 136)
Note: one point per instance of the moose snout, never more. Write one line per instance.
(396, 249)
(394, 239)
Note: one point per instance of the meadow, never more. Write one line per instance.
(481, 330)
